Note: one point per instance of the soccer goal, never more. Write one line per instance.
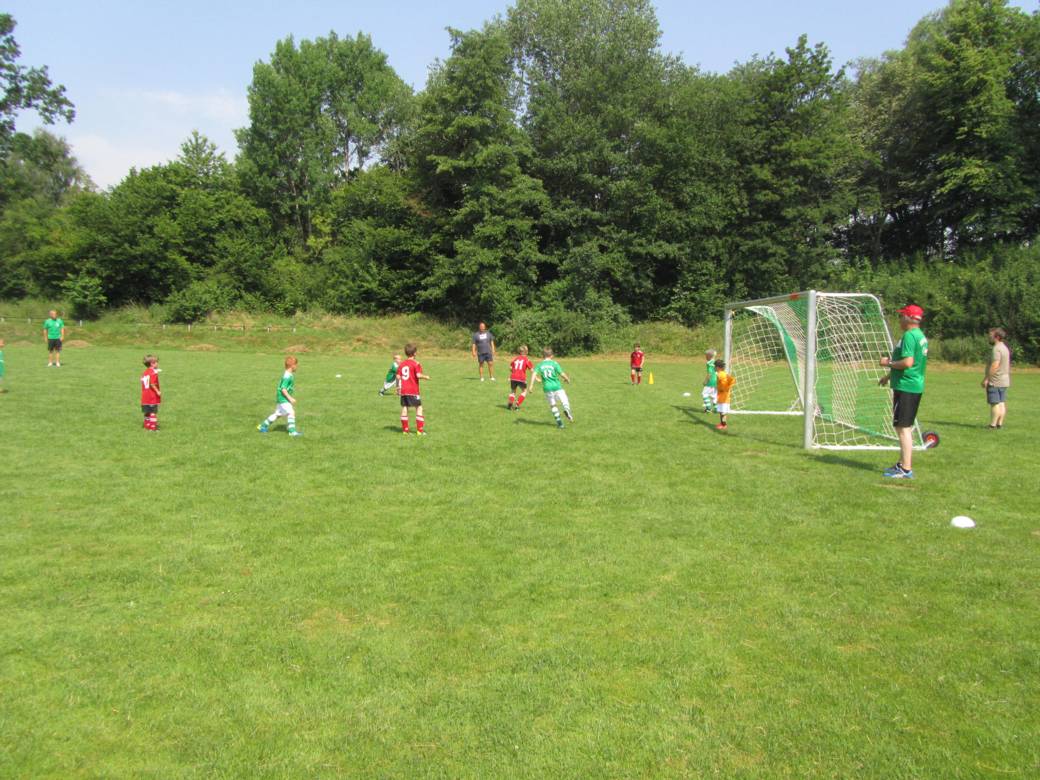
(815, 355)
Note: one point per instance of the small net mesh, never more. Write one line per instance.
(768, 353)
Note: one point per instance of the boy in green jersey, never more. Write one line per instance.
(390, 380)
(285, 399)
(2, 366)
(906, 373)
(549, 373)
(54, 333)
(710, 391)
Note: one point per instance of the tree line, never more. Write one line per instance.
(561, 174)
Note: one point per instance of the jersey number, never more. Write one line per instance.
(146, 381)
(548, 372)
(405, 372)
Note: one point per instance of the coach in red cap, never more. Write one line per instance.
(907, 365)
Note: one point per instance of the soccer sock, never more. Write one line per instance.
(404, 422)
(556, 413)
(420, 423)
(639, 379)
(512, 399)
(291, 424)
(520, 400)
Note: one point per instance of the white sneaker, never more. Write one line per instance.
(482, 379)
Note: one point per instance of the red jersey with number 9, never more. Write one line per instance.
(408, 372)
(519, 367)
(637, 358)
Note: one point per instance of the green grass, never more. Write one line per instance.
(636, 595)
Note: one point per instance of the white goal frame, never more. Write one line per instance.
(800, 333)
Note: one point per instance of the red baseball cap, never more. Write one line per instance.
(913, 311)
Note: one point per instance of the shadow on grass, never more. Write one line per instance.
(697, 416)
(849, 463)
(950, 423)
(526, 421)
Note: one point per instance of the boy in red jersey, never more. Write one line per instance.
(151, 396)
(408, 375)
(518, 368)
(636, 362)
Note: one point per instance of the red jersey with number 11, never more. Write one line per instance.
(637, 358)
(519, 368)
(150, 387)
(408, 372)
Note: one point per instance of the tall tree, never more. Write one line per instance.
(468, 154)
(25, 88)
(318, 112)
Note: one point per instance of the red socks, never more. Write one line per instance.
(420, 423)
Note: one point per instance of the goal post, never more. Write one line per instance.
(815, 355)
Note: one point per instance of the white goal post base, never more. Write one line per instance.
(815, 355)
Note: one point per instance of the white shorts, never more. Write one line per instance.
(285, 410)
(722, 408)
(557, 395)
(709, 392)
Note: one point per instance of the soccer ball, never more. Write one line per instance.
(931, 440)
(962, 521)
(685, 395)
(339, 376)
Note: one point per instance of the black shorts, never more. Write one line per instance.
(54, 345)
(150, 409)
(484, 358)
(637, 369)
(904, 408)
(516, 384)
(411, 400)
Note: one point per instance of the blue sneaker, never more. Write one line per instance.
(559, 423)
(262, 428)
(898, 472)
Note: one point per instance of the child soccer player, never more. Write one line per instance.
(409, 373)
(518, 368)
(636, 365)
(285, 400)
(391, 376)
(724, 383)
(151, 395)
(549, 373)
(710, 389)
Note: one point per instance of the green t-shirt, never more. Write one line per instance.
(287, 385)
(713, 377)
(392, 373)
(549, 370)
(910, 380)
(1, 364)
(53, 327)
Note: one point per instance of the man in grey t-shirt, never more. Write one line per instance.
(998, 377)
(484, 351)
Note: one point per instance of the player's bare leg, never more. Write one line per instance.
(906, 447)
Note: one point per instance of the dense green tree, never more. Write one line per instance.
(25, 88)
(792, 143)
(468, 154)
(318, 113)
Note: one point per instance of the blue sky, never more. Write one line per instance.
(143, 75)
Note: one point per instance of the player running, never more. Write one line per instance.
(285, 399)
(518, 368)
(408, 375)
(636, 365)
(390, 380)
(710, 391)
(549, 373)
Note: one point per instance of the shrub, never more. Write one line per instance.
(198, 300)
(85, 296)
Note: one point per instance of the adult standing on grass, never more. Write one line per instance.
(906, 373)
(54, 334)
(998, 377)
(484, 351)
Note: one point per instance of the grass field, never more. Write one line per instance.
(636, 595)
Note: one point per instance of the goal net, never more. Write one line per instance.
(815, 355)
